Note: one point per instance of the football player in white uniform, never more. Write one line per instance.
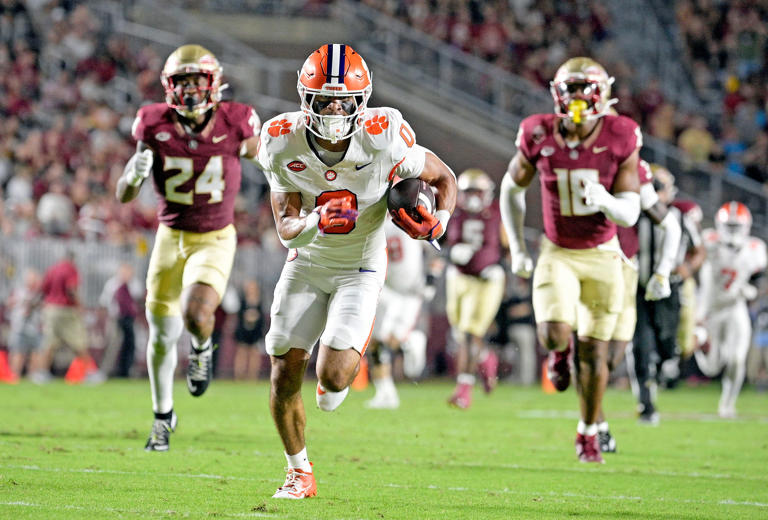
(727, 278)
(329, 167)
(397, 317)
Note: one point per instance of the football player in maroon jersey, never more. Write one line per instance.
(587, 160)
(190, 146)
(474, 282)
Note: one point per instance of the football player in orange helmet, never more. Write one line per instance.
(587, 160)
(328, 164)
(190, 146)
(729, 278)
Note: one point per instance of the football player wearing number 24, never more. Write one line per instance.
(587, 163)
(190, 146)
(329, 167)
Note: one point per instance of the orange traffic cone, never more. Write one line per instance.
(6, 374)
(78, 369)
(360, 382)
(546, 383)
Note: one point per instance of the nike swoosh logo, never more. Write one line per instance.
(359, 167)
(219, 138)
(599, 149)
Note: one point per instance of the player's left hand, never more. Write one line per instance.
(595, 194)
(749, 292)
(427, 228)
(657, 288)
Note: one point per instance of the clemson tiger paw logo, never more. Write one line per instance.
(278, 128)
(376, 125)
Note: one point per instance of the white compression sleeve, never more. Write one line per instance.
(622, 208)
(164, 333)
(512, 205)
(670, 244)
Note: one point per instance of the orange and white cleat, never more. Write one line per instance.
(298, 484)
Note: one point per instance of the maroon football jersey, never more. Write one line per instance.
(196, 177)
(480, 230)
(568, 221)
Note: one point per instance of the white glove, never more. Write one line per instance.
(461, 253)
(749, 292)
(657, 288)
(522, 264)
(595, 194)
(142, 166)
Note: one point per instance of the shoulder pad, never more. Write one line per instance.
(534, 129)
(383, 125)
(275, 131)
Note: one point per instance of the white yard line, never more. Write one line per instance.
(144, 512)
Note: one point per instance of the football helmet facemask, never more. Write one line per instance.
(193, 97)
(582, 90)
(475, 190)
(733, 222)
(334, 71)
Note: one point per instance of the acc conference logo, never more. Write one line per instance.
(296, 166)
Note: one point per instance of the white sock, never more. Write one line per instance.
(466, 379)
(586, 429)
(384, 385)
(299, 461)
(164, 333)
(197, 346)
(602, 426)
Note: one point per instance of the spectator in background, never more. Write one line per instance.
(24, 330)
(696, 140)
(119, 298)
(249, 332)
(63, 323)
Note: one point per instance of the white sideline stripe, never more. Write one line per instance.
(174, 512)
(727, 502)
(672, 416)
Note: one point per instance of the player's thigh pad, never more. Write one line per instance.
(396, 315)
(352, 309)
(298, 312)
(625, 324)
(556, 287)
(602, 292)
(209, 258)
(166, 265)
(479, 304)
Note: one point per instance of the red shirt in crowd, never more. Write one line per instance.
(60, 284)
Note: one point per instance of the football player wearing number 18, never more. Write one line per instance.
(191, 147)
(329, 168)
(587, 163)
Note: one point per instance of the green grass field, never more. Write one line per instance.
(77, 452)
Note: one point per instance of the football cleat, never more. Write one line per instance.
(462, 397)
(588, 449)
(559, 368)
(161, 433)
(328, 401)
(650, 418)
(200, 370)
(488, 370)
(298, 484)
(607, 442)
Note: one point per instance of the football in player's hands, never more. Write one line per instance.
(407, 194)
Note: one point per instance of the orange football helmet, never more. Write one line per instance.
(582, 90)
(334, 71)
(192, 100)
(733, 222)
(475, 190)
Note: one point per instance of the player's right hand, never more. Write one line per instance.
(336, 213)
(522, 264)
(142, 166)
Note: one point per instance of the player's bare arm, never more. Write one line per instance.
(286, 209)
(136, 170)
(436, 173)
(520, 170)
(249, 148)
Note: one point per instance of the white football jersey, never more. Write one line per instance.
(405, 261)
(384, 148)
(730, 269)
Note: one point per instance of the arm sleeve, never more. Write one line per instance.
(622, 208)
(512, 205)
(670, 245)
